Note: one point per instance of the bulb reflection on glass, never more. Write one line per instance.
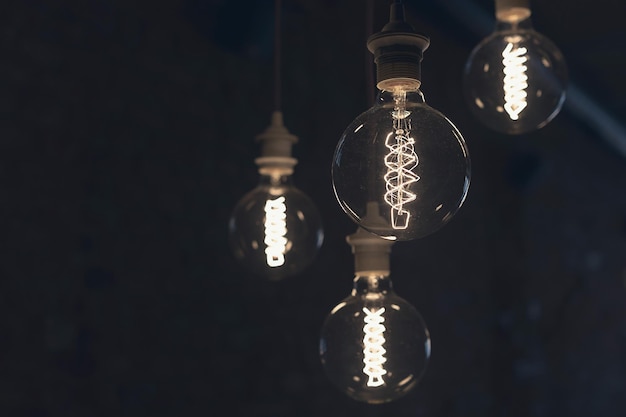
(515, 80)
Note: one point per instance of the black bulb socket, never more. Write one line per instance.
(398, 50)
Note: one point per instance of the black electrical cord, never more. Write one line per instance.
(369, 65)
(277, 55)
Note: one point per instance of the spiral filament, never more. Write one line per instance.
(515, 80)
(275, 231)
(373, 350)
(400, 162)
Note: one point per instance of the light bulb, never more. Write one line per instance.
(374, 345)
(409, 159)
(275, 230)
(401, 154)
(514, 80)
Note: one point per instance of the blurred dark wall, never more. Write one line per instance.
(127, 137)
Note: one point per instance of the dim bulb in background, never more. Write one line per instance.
(275, 230)
(401, 154)
(374, 345)
(515, 80)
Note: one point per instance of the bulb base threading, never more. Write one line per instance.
(395, 71)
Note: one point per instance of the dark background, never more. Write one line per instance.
(127, 136)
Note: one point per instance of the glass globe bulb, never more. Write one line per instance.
(514, 81)
(275, 230)
(374, 345)
(409, 159)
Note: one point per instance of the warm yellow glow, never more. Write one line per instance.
(400, 162)
(515, 80)
(275, 231)
(373, 350)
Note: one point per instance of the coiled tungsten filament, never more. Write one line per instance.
(373, 350)
(275, 231)
(515, 80)
(400, 161)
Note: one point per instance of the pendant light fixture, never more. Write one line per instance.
(374, 345)
(401, 154)
(275, 230)
(514, 80)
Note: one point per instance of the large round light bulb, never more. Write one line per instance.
(275, 230)
(374, 345)
(409, 159)
(515, 80)
(401, 154)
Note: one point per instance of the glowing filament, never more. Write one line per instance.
(515, 80)
(275, 231)
(373, 350)
(400, 162)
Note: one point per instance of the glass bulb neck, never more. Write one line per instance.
(275, 179)
(396, 97)
(372, 284)
(513, 25)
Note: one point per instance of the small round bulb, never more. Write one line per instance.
(374, 345)
(275, 230)
(514, 80)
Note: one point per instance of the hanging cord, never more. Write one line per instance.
(370, 87)
(276, 140)
(369, 66)
(277, 57)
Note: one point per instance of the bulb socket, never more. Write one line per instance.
(512, 11)
(398, 50)
(276, 141)
(371, 252)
